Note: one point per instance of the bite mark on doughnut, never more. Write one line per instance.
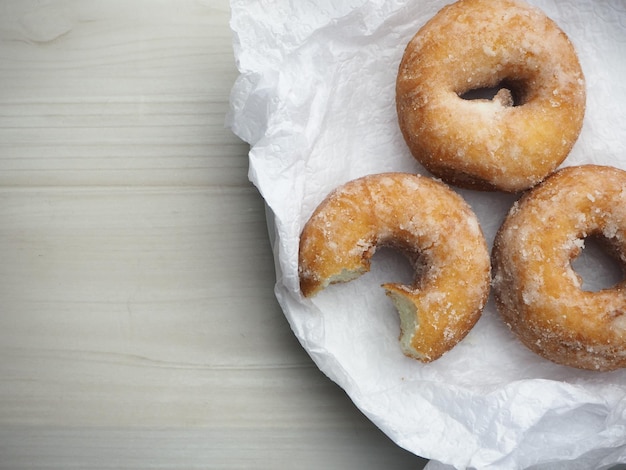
(409, 321)
(426, 221)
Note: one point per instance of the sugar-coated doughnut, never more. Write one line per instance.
(537, 291)
(432, 226)
(509, 143)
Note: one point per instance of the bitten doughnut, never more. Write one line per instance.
(508, 143)
(432, 226)
(537, 291)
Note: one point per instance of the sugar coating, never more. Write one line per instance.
(475, 44)
(537, 291)
(432, 226)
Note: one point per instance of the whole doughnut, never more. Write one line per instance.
(509, 143)
(432, 226)
(537, 291)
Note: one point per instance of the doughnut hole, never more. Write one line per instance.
(598, 265)
(507, 92)
(399, 265)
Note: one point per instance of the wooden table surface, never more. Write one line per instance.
(138, 326)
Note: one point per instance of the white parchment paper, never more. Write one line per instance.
(315, 100)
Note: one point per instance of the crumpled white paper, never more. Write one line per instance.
(315, 100)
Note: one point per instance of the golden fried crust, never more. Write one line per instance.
(489, 144)
(537, 291)
(428, 222)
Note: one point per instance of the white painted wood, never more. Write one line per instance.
(138, 327)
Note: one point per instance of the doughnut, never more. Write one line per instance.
(426, 221)
(511, 142)
(538, 293)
